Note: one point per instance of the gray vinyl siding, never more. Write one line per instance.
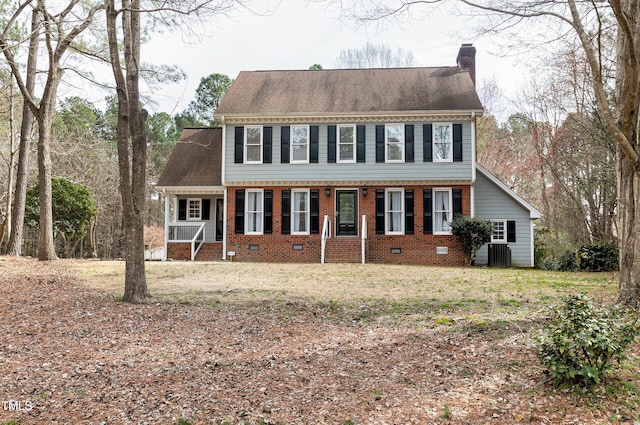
(369, 170)
(209, 227)
(492, 203)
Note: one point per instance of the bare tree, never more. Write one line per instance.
(374, 56)
(592, 23)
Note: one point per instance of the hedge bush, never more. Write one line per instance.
(599, 257)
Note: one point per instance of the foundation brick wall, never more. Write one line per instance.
(417, 248)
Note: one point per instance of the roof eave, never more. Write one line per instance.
(350, 116)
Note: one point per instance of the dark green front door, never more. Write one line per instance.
(347, 213)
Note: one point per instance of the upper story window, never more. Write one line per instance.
(442, 213)
(253, 144)
(299, 144)
(300, 212)
(346, 143)
(394, 143)
(254, 212)
(442, 142)
(499, 234)
(394, 211)
(194, 208)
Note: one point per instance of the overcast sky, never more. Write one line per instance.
(299, 34)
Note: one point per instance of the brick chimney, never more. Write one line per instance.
(466, 60)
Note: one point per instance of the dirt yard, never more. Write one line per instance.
(237, 343)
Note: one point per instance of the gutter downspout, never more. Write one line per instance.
(223, 183)
(473, 163)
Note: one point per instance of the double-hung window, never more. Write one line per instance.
(394, 211)
(394, 143)
(300, 212)
(254, 212)
(346, 143)
(442, 142)
(253, 144)
(299, 144)
(194, 208)
(442, 211)
(499, 234)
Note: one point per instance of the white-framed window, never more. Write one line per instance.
(442, 142)
(499, 234)
(253, 144)
(299, 144)
(442, 211)
(300, 212)
(394, 211)
(394, 142)
(346, 143)
(194, 208)
(254, 212)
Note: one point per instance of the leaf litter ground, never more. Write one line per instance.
(70, 353)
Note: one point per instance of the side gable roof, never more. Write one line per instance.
(196, 160)
(533, 212)
(350, 91)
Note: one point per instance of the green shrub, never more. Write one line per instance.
(599, 257)
(473, 232)
(567, 262)
(550, 263)
(581, 343)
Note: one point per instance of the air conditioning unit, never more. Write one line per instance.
(499, 255)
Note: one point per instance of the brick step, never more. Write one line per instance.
(210, 252)
(343, 250)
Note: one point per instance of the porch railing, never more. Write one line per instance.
(326, 234)
(192, 233)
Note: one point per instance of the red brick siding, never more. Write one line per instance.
(179, 251)
(416, 249)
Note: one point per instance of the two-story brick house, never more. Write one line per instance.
(349, 165)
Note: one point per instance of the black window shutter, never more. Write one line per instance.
(511, 231)
(286, 212)
(408, 143)
(268, 212)
(380, 144)
(380, 211)
(427, 143)
(182, 209)
(206, 209)
(408, 212)
(457, 142)
(361, 144)
(315, 211)
(314, 141)
(267, 142)
(239, 145)
(331, 143)
(285, 133)
(427, 208)
(456, 195)
(240, 211)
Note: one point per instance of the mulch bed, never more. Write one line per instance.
(72, 355)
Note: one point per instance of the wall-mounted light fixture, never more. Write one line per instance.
(364, 190)
(327, 191)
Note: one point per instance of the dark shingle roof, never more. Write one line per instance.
(350, 91)
(196, 160)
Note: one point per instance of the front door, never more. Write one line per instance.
(219, 218)
(346, 213)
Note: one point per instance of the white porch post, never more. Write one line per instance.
(166, 223)
(224, 225)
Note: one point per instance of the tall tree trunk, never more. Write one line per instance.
(46, 248)
(14, 246)
(629, 226)
(131, 143)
